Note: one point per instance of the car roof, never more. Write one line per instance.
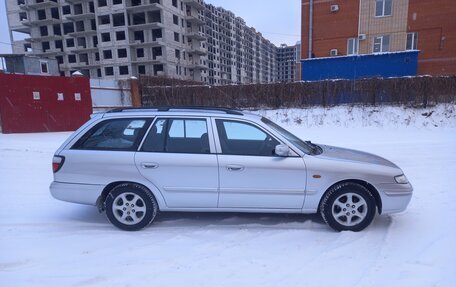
(180, 111)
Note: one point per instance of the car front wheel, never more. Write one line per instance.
(348, 206)
(130, 207)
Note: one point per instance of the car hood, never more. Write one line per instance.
(337, 153)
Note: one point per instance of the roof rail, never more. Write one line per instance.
(168, 108)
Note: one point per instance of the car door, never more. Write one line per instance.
(178, 157)
(251, 175)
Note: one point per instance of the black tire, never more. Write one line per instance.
(146, 202)
(345, 190)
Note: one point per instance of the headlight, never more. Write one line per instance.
(401, 179)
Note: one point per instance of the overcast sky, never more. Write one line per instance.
(279, 21)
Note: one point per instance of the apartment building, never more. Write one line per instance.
(289, 63)
(117, 39)
(237, 53)
(362, 27)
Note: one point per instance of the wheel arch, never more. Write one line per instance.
(370, 187)
(107, 189)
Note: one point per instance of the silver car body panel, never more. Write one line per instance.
(218, 182)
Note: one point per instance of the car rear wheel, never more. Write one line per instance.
(130, 207)
(348, 206)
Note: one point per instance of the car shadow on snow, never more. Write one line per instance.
(219, 220)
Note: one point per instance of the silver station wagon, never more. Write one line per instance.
(133, 163)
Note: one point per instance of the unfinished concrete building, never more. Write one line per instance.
(289, 63)
(117, 39)
(236, 52)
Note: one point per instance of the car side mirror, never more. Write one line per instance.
(282, 150)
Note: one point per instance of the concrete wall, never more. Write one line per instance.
(109, 94)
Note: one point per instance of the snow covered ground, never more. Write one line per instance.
(45, 242)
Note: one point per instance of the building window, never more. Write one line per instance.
(118, 19)
(109, 71)
(71, 58)
(177, 54)
(116, 2)
(175, 20)
(175, 3)
(59, 45)
(107, 54)
(383, 8)
(102, 3)
(140, 53)
(121, 53)
(41, 14)
(352, 46)
(141, 70)
(412, 41)
(70, 42)
(22, 16)
(44, 67)
(120, 35)
(57, 30)
(102, 20)
(66, 10)
(44, 31)
(123, 70)
(77, 9)
(45, 46)
(381, 44)
(105, 37)
(68, 28)
(176, 37)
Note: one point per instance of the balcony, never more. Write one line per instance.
(41, 22)
(83, 16)
(82, 49)
(43, 38)
(154, 60)
(196, 35)
(50, 52)
(197, 51)
(42, 5)
(153, 25)
(155, 43)
(77, 1)
(195, 19)
(197, 66)
(197, 4)
(144, 7)
(83, 33)
(21, 27)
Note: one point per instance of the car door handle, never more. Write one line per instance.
(149, 165)
(233, 167)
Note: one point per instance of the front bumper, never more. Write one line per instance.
(76, 193)
(395, 197)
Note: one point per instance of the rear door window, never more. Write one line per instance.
(178, 136)
(118, 134)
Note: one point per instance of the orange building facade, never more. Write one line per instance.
(332, 28)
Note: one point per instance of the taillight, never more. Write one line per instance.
(57, 163)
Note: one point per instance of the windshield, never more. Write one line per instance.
(305, 147)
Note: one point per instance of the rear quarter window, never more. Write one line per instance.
(116, 134)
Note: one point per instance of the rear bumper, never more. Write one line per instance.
(76, 193)
(395, 197)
